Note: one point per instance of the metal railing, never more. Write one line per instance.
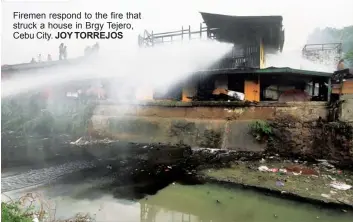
(150, 39)
(327, 53)
(240, 56)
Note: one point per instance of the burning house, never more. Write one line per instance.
(242, 74)
(242, 71)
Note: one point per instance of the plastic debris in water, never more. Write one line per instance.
(340, 185)
(326, 195)
(274, 170)
(263, 169)
(326, 164)
(283, 171)
(266, 169)
(332, 178)
(77, 141)
(279, 183)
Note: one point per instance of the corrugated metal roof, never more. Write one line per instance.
(216, 18)
(238, 29)
(270, 70)
(294, 71)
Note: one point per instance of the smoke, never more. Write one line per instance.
(294, 59)
(160, 66)
(122, 73)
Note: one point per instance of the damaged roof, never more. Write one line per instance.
(247, 29)
(271, 70)
(294, 71)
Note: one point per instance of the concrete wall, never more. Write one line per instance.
(346, 114)
(213, 127)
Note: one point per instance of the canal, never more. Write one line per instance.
(75, 187)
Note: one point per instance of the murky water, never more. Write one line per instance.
(94, 192)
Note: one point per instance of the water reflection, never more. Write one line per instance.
(207, 203)
(106, 200)
(151, 213)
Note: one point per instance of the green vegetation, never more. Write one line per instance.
(333, 35)
(31, 206)
(30, 114)
(12, 212)
(30, 121)
(260, 129)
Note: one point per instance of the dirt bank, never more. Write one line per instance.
(294, 179)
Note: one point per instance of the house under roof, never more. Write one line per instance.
(247, 29)
(271, 70)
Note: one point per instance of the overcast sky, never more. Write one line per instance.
(300, 18)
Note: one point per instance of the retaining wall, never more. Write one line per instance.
(346, 114)
(224, 126)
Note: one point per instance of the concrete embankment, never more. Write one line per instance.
(213, 125)
(297, 129)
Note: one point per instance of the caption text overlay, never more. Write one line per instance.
(80, 25)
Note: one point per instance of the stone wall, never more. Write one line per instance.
(211, 126)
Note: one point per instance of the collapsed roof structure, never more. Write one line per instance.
(246, 29)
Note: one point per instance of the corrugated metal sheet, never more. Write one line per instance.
(238, 29)
(215, 19)
(269, 71)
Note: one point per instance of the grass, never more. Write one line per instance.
(31, 206)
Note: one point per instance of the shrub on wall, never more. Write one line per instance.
(260, 130)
